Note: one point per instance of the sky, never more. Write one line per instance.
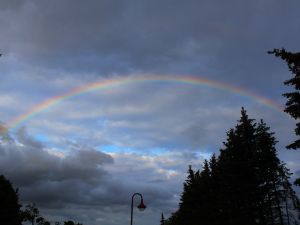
(80, 153)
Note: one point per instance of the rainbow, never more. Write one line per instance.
(109, 83)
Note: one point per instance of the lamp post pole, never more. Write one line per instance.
(141, 206)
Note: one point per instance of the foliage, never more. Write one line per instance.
(31, 214)
(41, 221)
(71, 223)
(293, 103)
(162, 219)
(9, 203)
(293, 98)
(246, 184)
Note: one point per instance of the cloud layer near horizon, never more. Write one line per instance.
(90, 180)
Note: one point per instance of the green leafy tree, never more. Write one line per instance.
(9, 203)
(41, 221)
(31, 213)
(70, 222)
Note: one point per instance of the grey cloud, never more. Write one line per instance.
(27, 162)
(154, 116)
(114, 37)
(10, 5)
(53, 46)
(63, 184)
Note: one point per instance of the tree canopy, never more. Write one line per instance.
(246, 184)
(11, 212)
(9, 203)
(293, 98)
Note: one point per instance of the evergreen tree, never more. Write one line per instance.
(256, 181)
(188, 204)
(9, 203)
(197, 200)
(246, 184)
(237, 177)
(173, 219)
(293, 98)
(214, 197)
(293, 102)
(162, 219)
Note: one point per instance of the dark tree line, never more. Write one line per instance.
(246, 184)
(11, 212)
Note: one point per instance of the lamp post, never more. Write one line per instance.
(141, 206)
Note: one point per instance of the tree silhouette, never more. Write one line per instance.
(293, 98)
(31, 214)
(293, 102)
(41, 221)
(246, 184)
(70, 222)
(10, 212)
(9, 203)
(162, 219)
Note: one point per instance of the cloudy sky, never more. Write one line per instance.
(83, 157)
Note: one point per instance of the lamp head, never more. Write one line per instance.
(141, 206)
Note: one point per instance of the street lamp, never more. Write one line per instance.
(141, 206)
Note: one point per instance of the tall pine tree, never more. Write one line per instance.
(246, 184)
(293, 98)
(162, 219)
(293, 103)
(237, 163)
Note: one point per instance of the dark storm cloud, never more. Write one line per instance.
(10, 5)
(33, 163)
(47, 177)
(202, 37)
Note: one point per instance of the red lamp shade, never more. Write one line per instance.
(141, 206)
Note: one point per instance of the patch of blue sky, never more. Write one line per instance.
(205, 154)
(102, 122)
(152, 151)
(119, 149)
(115, 149)
(41, 138)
